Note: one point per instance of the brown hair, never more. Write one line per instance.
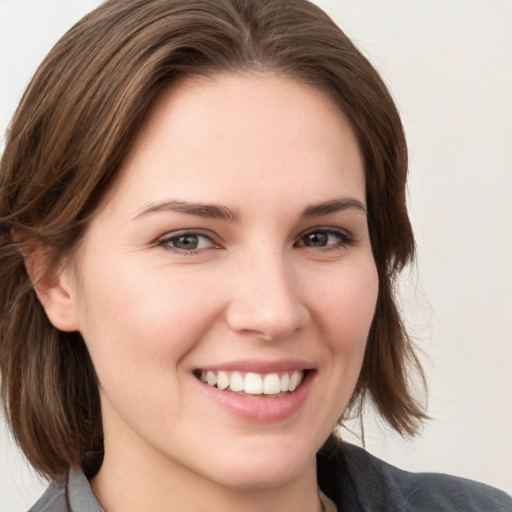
(70, 132)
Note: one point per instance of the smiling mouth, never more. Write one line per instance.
(274, 384)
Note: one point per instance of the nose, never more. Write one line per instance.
(265, 300)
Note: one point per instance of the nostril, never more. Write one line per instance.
(268, 320)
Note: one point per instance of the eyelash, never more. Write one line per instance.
(167, 241)
(344, 240)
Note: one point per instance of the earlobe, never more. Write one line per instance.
(55, 293)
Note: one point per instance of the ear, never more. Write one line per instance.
(55, 290)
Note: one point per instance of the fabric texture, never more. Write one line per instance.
(357, 481)
(354, 480)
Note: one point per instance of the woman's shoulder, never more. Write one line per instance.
(364, 482)
(53, 500)
(71, 494)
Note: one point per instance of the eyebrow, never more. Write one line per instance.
(215, 211)
(212, 211)
(332, 206)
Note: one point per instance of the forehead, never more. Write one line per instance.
(243, 134)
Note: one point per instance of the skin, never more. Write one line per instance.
(152, 313)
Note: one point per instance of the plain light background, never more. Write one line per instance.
(447, 64)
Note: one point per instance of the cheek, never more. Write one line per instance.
(344, 311)
(346, 306)
(134, 314)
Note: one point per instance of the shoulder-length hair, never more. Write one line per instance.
(74, 125)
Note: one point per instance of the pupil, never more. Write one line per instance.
(316, 239)
(186, 242)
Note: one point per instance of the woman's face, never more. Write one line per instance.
(234, 249)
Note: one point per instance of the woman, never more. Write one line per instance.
(203, 213)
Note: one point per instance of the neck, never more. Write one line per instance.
(166, 486)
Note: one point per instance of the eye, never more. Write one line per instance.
(324, 237)
(187, 241)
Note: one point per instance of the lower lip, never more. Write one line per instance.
(261, 408)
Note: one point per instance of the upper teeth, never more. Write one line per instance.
(254, 383)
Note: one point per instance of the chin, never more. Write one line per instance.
(264, 465)
(257, 477)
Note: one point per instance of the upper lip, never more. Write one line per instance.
(259, 366)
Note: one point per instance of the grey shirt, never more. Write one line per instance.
(355, 480)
